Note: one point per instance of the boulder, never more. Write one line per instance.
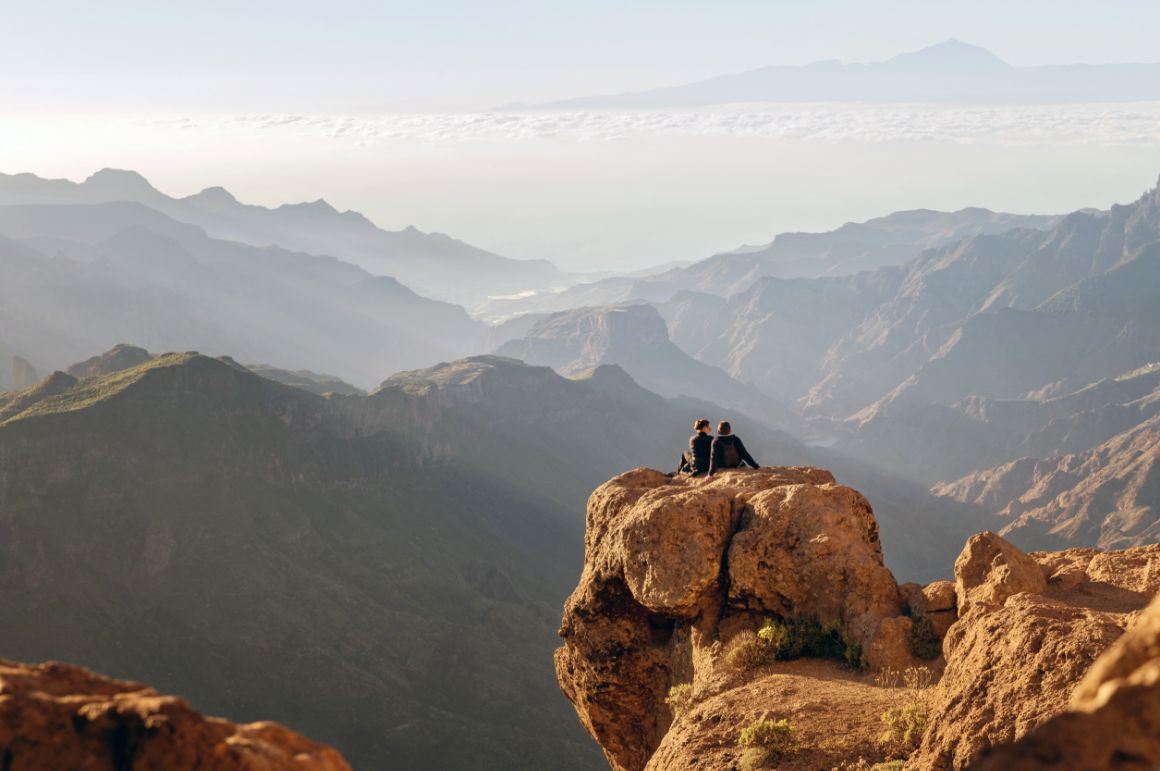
(61, 716)
(889, 647)
(990, 569)
(1114, 717)
(1008, 669)
(674, 565)
(812, 550)
(936, 602)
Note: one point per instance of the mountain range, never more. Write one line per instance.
(856, 246)
(432, 264)
(948, 72)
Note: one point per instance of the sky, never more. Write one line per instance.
(384, 107)
(463, 54)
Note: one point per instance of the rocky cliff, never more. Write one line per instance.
(710, 606)
(60, 716)
(675, 568)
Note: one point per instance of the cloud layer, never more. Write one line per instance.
(1055, 125)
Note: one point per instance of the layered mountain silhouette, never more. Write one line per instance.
(635, 338)
(856, 246)
(1034, 344)
(83, 277)
(951, 71)
(432, 264)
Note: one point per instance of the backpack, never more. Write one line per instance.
(730, 458)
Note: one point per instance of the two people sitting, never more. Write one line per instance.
(708, 454)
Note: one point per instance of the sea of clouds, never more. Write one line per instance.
(1135, 124)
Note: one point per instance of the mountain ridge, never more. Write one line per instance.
(432, 264)
(947, 72)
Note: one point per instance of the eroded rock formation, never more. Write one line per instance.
(60, 716)
(1031, 627)
(673, 567)
(1113, 721)
(1036, 670)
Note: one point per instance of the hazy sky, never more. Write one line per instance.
(289, 101)
(362, 54)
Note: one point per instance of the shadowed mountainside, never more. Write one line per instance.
(85, 277)
(380, 572)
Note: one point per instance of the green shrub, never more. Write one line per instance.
(890, 765)
(680, 698)
(924, 643)
(784, 640)
(904, 726)
(766, 740)
(747, 651)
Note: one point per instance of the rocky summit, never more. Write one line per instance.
(57, 716)
(748, 621)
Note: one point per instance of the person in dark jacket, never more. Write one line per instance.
(728, 451)
(695, 460)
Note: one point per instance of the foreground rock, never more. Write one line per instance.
(1113, 721)
(673, 567)
(1032, 627)
(60, 716)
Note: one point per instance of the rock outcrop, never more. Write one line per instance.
(676, 566)
(1036, 670)
(1031, 626)
(61, 716)
(990, 570)
(1113, 721)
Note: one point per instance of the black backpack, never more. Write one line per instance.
(730, 458)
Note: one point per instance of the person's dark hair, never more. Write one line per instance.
(700, 423)
(724, 429)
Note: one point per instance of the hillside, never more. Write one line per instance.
(84, 277)
(379, 572)
(432, 264)
(635, 338)
(856, 246)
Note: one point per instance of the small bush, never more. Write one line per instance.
(924, 643)
(890, 765)
(747, 651)
(680, 698)
(792, 639)
(904, 726)
(888, 678)
(917, 678)
(771, 739)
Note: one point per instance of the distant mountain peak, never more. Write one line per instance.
(121, 182)
(213, 195)
(951, 51)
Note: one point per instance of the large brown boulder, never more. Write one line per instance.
(1008, 670)
(1011, 667)
(60, 716)
(1114, 717)
(673, 565)
(989, 570)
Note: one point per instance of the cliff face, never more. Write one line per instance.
(676, 567)
(61, 716)
(677, 571)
